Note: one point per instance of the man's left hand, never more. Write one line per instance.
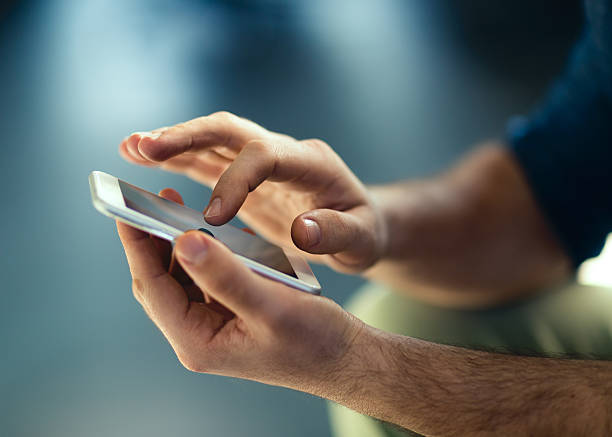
(255, 328)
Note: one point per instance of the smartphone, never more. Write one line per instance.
(168, 220)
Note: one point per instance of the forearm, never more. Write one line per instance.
(471, 236)
(442, 390)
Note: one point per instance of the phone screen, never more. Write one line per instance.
(184, 219)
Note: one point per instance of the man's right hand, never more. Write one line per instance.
(285, 189)
(472, 236)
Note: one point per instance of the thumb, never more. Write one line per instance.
(218, 272)
(347, 234)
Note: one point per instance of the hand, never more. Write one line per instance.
(286, 190)
(254, 328)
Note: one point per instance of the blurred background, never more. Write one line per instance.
(399, 88)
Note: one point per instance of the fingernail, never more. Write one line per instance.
(134, 153)
(192, 248)
(152, 135)
(313, 232)
(214, 209)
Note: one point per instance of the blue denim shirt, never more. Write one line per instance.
(565, 145)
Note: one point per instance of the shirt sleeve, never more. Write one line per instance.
(565, 146)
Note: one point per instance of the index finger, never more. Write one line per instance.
(218, 129)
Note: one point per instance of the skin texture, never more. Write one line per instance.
(470, 237)
(450, 391)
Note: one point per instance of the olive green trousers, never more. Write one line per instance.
(571, 319)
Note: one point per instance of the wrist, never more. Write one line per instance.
(336, 377)
(367, 373)
(314, 359)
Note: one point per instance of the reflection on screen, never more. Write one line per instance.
(184, 219)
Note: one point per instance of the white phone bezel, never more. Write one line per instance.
(108, 199)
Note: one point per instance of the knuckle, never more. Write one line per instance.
(317, 145)
(223, 116)
(259, 162)
(229, 285)
(224, 278)
(186, 133)
(191, 363)
(180, 126)
(264, 152)
(258, 147)
(225, 122)
(231, 281)
(343, 225)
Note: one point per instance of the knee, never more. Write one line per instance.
(382, 308)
